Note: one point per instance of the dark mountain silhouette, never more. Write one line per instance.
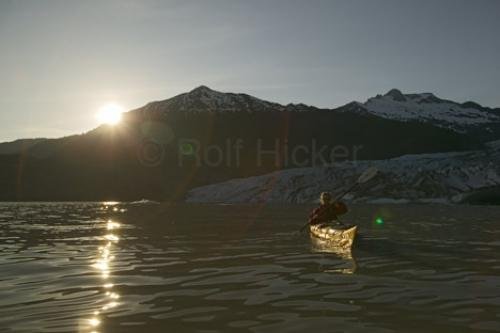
(165, 148)
(18, 146)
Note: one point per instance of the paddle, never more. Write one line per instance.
(365, 176)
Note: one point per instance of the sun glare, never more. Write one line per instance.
(110, 114)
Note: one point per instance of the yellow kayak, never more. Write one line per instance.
(334, 235)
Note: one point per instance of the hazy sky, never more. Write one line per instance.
(61, 60)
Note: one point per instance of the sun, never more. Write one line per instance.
(110, 114)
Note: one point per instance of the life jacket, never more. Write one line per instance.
(327, 213)
(340, 208)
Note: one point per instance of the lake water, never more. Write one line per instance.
(94, 267)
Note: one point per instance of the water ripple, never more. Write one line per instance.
(99, 267)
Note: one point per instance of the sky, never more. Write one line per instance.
(60, 61)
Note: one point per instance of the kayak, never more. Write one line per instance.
(337, 236)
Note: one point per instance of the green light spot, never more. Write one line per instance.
(379, 221)
(187, 149)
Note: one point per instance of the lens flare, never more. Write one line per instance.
(187, 149)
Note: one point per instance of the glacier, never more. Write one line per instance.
(426, 178)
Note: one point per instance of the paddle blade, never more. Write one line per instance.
(367, 175)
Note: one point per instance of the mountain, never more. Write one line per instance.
(442, 177)
(468, 117)
(18, 146)
(204, 99)
(164, 149)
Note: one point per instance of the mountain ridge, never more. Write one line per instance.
(466, 117)
(426, 107)
(203, 98)
(165, 148)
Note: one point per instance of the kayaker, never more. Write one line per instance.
(327, 210)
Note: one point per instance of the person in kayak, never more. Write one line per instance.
(327, 210)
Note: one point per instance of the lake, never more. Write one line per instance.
(106, 267)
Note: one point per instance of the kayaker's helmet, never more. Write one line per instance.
(325, 198)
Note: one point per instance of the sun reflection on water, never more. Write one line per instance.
(103, 264)
(112, 225)
(321, 246)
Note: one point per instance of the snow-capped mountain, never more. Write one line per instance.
(442, 177)
(202, 99)
(467, 118)
(427, 108)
